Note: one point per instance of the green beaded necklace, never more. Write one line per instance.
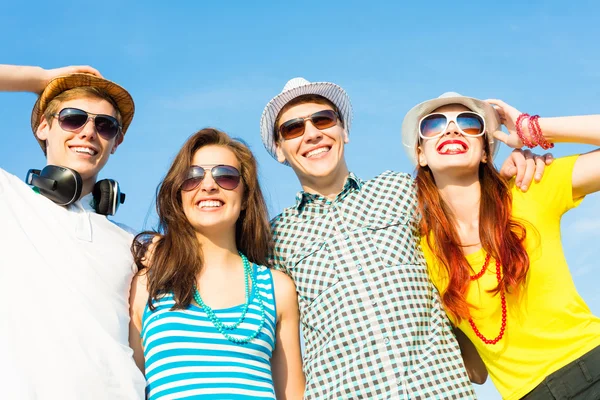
(222, 327)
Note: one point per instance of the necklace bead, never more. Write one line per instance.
(222, 327)
(502, 302)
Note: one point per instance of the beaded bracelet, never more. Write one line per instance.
(529, 143)
(536, 133)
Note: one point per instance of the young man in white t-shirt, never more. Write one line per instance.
(65, 270)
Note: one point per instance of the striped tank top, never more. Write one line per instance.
(187, 357)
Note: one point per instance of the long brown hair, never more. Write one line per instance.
(177, 256)
(502, 237)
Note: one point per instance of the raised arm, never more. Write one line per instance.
(288, 376)
(15, 78)
(583, 129)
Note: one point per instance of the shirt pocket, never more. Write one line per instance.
(393, 237)
(313, 270)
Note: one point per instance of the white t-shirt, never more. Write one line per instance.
(64, 289)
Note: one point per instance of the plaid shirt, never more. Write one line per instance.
(373, 323)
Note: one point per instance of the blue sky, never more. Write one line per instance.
(217, 64)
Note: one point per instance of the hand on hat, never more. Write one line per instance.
(49, 74)
(508, 117)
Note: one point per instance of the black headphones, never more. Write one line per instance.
(63, 186)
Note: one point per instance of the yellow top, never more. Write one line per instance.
(548, 323)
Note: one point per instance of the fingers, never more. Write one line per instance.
(510, 166)
(540, 166)
(527, 173)
(502, 136)
(548, 158)
(86, 69)
(496, 102)
(147, 259)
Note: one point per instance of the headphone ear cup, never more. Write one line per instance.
(105, 196)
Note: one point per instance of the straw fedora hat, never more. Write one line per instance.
(298, 87)
(410, 125)
(61, 84)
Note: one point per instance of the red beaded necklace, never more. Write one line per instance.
(502, 300)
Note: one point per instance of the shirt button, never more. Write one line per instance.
(359, 267)
(399, 382)
(386, 340)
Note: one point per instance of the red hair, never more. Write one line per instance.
(501, 236)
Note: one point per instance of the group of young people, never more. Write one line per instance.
(402, 288)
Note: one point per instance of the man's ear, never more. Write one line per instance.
(346, 136)
(42, 130)
(118, 142)
(421, 157)
(279, 153)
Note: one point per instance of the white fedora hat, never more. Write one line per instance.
(410, 125)
(298, 87)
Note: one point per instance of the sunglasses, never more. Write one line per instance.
(226, 176)
(72, 119)
(295, 127)
(434, 125)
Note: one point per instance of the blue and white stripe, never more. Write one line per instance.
(186, 356)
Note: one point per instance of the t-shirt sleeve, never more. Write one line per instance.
(554, 193)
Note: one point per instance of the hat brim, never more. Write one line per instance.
(410, 128)
(61, 84)
(330, 91)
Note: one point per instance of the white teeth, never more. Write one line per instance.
(86, 150)
(210, 203)
(452, 147)
(320, 150)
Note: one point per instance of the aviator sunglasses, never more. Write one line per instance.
(226, 176)
(468, 123)
(72, 119)
(295, 127)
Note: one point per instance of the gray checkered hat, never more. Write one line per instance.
(298, 87)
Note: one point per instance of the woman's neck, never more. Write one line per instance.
(218, 252)
(463, 196)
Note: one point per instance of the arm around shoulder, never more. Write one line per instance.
(288, 376)
(473, 363)
(138, 298)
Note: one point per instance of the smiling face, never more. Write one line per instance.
(82, 150)
(209, 208)
(317, 157)
(452, 151)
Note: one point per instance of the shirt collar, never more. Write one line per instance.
(352, 182)
(87, 202)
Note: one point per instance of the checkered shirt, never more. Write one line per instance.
(373, 323)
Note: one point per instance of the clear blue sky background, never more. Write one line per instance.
(195, 64)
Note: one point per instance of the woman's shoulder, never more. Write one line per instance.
(285, 291)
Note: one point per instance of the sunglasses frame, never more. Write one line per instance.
(453, 119)
(91, 116)
(210, 168)
(304, 119)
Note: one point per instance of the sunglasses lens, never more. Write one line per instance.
(433, 125)
(226, 176)
(194, 177)
(71, 119)
(107, 126)
(292, 129)
(470, 123)
(324, 119)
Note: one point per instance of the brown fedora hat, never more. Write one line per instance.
(63, 83)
